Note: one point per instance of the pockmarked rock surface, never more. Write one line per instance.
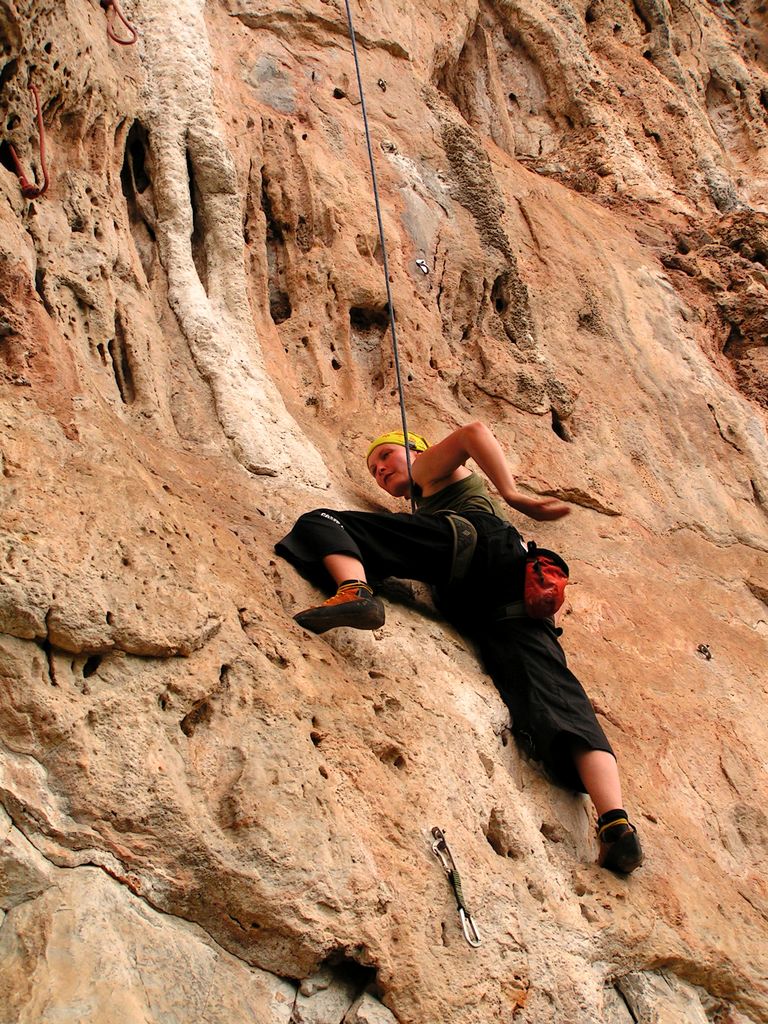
(209, 815)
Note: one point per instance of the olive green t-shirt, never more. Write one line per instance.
(467, 495)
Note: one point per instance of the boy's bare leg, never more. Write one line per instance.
(620, 848)
(344, 567)
(600, 776)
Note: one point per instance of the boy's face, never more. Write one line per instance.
(389, 468)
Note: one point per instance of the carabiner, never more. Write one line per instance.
(441, 851)
(470, 929)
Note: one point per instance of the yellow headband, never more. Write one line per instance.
(415, 442)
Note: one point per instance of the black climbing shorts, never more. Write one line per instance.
(413, 547)
(548, 705)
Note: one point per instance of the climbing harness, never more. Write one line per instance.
(464, 544)
(390, 304)
(115, 6)
(443, 854)
(29, 190)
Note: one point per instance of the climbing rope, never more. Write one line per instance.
(107, 4)
(390, 305)
(28, 189)
(443, 854)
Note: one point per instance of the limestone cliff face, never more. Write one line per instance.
(209, 815)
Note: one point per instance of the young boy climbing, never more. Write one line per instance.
(459, 542)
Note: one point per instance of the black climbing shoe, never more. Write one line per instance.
(620, 848)
(353, 605)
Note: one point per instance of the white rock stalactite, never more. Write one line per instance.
(214, 314)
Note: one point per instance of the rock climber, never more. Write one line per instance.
(460, 542)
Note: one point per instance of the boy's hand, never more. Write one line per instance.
(541, 509)
(547, 509)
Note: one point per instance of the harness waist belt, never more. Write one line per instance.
(516, 610)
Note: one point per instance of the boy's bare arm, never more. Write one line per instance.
(435, 467)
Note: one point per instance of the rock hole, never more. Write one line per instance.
(735, 337)
(48, 47)
(280, 308)
(590, 16)
(764, 98)
(323, 771)
(162, 700)
(552, 832)
(392, 756)
(109, 618)
(316, 738)
(199, 249)
(560, 428)
(134, 182)
(6, 74)
(6, 160)
(501, 296)
(91, 665)
(339, 94)
(335, 363)
(121, 367)
(366, 318)
(616, 29)
(199, 714)
(648, 54)
(499, 836)
(40, 289)
(135, 161)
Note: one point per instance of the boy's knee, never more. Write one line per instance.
(318, 517)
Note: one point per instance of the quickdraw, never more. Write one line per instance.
(107, 4)
(28, 189)
(443, 854)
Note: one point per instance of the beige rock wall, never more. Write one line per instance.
(210, 815)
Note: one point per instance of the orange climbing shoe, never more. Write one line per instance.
(353, 604)
(620, 848)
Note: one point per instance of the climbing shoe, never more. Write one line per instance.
(353, 605)
(620, 848)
